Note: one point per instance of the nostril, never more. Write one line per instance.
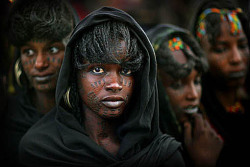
(114, 87)
(41, 62)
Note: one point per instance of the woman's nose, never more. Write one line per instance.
(41, 62)
(113, 82)
(236, 57)
(192, 93)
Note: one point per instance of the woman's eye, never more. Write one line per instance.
(126, 71)
(176, 85)
(53, 50)
(243, 46)
(28, 52)
(219, 50)
(97, 70)
(197, 81)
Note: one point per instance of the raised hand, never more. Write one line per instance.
(202, 142)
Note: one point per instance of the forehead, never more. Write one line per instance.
(41, 42)
(167, 79)
(180, 57)
(225, 29)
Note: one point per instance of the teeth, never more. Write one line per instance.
(237, 74)
(191, 110)
(42, 79)
(112, 104)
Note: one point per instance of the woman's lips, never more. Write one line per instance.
(112, 104)
(112, 101)
(42, 79)
(191, 110)
(239, 74)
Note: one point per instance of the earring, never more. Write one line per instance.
(18, 72)
(66, 98)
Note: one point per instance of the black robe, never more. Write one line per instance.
(233, 127)
(58, 139)
(19, 117)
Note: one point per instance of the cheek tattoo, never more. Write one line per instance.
(33, 60)
(29, 62)
(92, 99)
(126, 99)
(98, 83)
(53, 60)
(126, 83)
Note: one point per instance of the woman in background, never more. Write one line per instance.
(181, 63)
(222, 30)
(40, 31)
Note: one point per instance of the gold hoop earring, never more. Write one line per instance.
(66, 98)
(18, 72)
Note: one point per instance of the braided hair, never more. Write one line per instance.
(98, 45)
(42, 20)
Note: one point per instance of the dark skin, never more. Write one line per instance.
(200, 139)
(202, 142)
(228, 59)
(41, 61)
(105, 90)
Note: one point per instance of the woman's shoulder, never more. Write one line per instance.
(175, 155)
(38, 137)
(44, 126)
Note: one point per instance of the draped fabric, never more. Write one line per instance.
(59, 139)
(21, 115)
(233, 127)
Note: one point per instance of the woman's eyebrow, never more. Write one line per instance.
(242, 39)
(221, 42)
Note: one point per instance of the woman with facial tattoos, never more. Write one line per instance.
(181, 63)
(222, 30)
(106, 110)
(39, 30)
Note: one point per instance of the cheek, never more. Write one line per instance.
(175, 97)
(89, 89)
(55, 61)
(246, 57)
(199, 90)
(217, 61)
(83, 85)
(92, 101)
(128, 87)
(27, 64)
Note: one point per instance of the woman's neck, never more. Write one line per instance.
(102, 131)
(231, 96)
(43, 101)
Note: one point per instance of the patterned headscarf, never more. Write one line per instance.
(225, 14)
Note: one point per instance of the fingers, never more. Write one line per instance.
(199, 124)
(203, 128)
(187, 132)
